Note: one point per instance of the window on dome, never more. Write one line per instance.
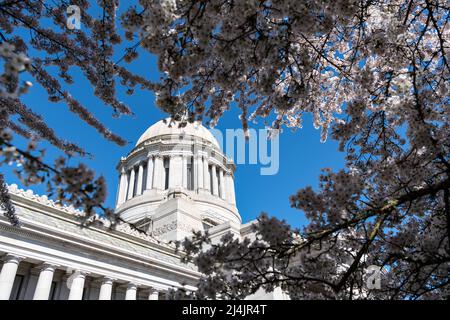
(144, 179)
(190, 180)
(166, 173)
(135, 182)
(218, 183)
(210, 180)
(128, 183)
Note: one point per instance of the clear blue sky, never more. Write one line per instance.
(301, 153)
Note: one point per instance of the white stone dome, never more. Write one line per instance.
(162, 128)
(175, 180)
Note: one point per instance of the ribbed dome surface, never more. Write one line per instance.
(194, 129)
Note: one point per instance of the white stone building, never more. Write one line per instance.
(175, 180)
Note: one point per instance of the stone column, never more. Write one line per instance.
(226, 179)
(44, 284)
(130, 294)
(149, 184)
(106, 289)
(221, 184)
(158, 170)
(214, 179)
(185, 177)
(122, 187)
(200, 173)
(206, 181)
(77, 285)
(175, 172)
(153, 295)
(195, 172)
(140, 179)
(8, 274)
(231, 192)
(131, 184)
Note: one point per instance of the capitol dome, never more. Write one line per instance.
(166, 127)
(176, 180)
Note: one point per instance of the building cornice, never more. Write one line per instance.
(31, 201)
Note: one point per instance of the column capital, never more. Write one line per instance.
(153, 294)
(47, 266)
(7, 274)
(44, 283)
(107, 279)
(153, 289)
(131, 292)
(13, 258)
(76, 282)
(106, 288)
(78, 272)
(132, 285)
